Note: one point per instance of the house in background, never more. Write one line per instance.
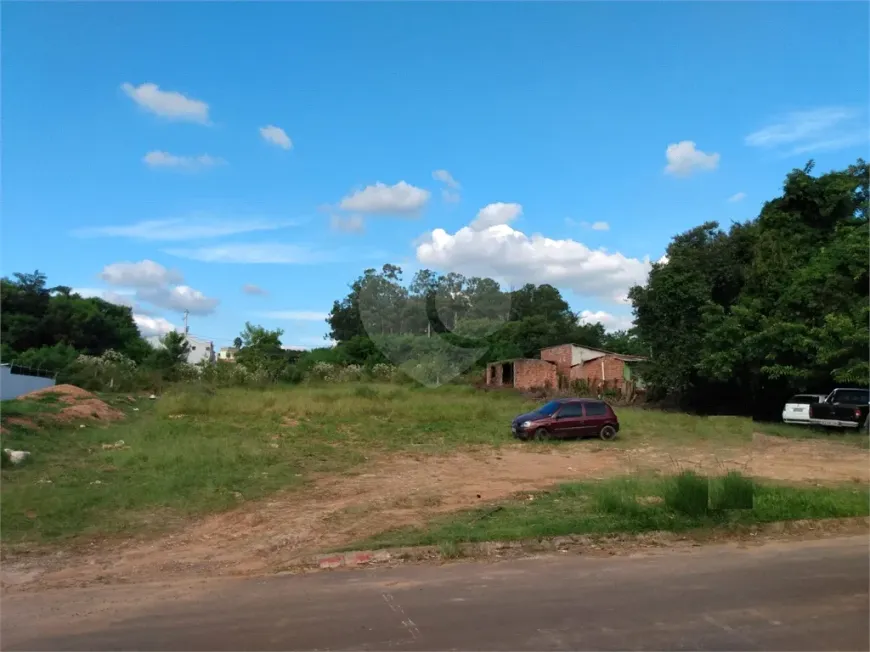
(522, 373)
(227, 354)
(559, 365)
(600, 368)
(201, 350)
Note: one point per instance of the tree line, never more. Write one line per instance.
(734, 320)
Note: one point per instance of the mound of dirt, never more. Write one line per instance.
(79, 405)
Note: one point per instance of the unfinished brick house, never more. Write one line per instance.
(601, 369)
(522, 373)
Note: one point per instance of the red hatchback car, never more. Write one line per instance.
(568, 417)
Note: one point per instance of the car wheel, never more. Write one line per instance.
(541, 434)
(607, 433)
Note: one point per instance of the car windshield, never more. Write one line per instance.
(804, 399)
(549, 409)
(852, 396)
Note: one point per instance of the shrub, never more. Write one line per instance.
(736, 491)
(350, 373)
(688, 493)
(325, 371)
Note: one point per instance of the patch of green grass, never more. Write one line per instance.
(631, 505)
(197, 450)
(857, 438)
(30, 407)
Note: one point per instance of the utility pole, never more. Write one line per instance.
(186, 313)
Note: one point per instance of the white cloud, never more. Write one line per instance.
(177, 229)
(253, 253)
(495, 214)
(504, 253)
(144, 274)
(609, 321)
(255, 290)
(684, 159)
(167, 104)
(118, 297)
(295, 315)
(399, 199)
(595, 226)
(276, 136)
(738, 196)
(149, 326)
(450, 196)
(349, 224)
(799, 132)
(158, 159)
(180, 297)
(446, 178)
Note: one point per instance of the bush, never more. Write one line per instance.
(735, 491)
(688, 493)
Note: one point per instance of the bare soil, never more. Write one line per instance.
(79, 405)
(262, 536)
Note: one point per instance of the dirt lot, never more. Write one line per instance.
(403, 490)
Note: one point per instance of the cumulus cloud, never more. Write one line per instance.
(738, 196)
(349, 224)
(167, 104)
(253, 253)
(118, 297)
(399, 199)
(823, 129)
(495, 214)
(144, 274)
(516, 258)
(149, 326)
(255, 290)
(684, 159)
(295, 315)
(276, 136)
(178, 229)
(610, 321)
(179, 298)
(159, 159)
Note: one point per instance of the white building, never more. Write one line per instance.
(201, 350)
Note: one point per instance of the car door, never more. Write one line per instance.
(595, 415)
(569, 420)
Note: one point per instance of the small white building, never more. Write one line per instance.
(228, 353)
(201, 350)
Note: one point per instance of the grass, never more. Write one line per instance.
(632, 505)
(195, 451)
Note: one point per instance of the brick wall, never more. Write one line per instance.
(591, 371)
(561, 355)
(534, 373)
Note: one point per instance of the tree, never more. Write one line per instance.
(261, 350)
(775, 306)
(173, 352)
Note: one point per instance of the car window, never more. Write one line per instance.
(549, 409)
(596, 409)
(804, 399)
(571, 410)
(853, 396)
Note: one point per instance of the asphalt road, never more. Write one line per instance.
(792, 596)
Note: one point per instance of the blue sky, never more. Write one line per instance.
(248, 161)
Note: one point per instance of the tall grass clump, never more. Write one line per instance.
(688, 493)
(733, 491)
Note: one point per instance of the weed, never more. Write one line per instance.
(734, 491)
(627, 505)
(688, 493)
(449, 550)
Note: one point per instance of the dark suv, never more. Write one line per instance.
(567, 417)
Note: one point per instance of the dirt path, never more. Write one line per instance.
(403, 490)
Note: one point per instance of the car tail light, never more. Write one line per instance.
(857, 413)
